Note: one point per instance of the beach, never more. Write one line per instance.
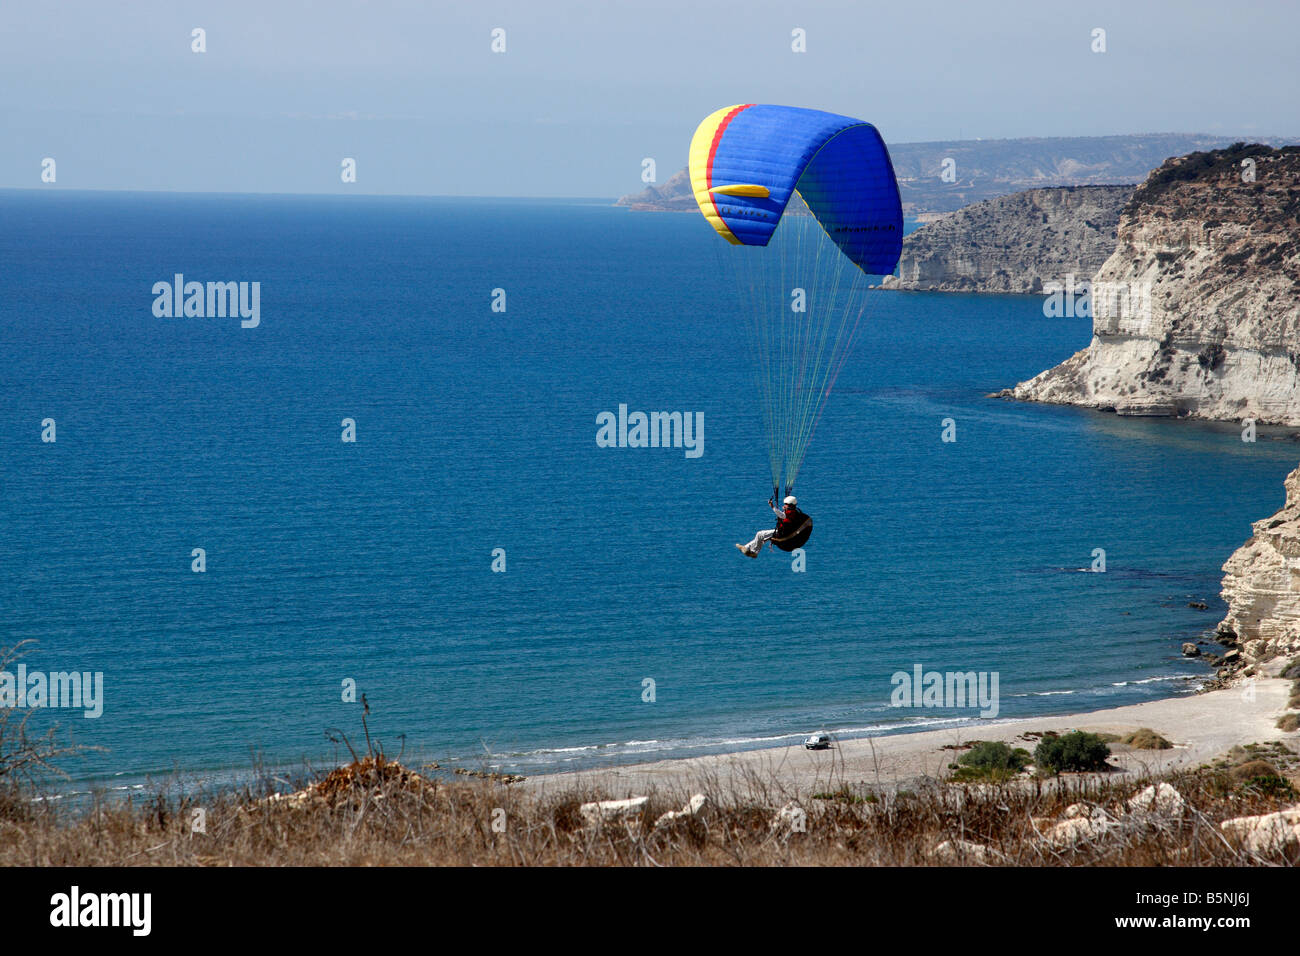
(1201, 727)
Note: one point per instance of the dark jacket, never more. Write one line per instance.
(789, 523)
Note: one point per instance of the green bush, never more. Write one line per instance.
(990, 760)
(1262, 776)
(1077, 752)
(1252, 769)
(994, 755)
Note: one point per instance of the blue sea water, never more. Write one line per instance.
(372, 561)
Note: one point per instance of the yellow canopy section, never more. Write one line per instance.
(703, 144)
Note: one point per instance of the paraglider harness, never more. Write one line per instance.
(793, 530)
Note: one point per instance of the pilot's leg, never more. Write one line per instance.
(756, 545)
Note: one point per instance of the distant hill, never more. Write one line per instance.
(986, 168)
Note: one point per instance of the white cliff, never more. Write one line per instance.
(1261, 583)
(1197, 311)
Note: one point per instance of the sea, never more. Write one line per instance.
(505, 592)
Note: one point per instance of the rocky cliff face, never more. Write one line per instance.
(1197, 312)
(1014, 243)
(1261, 584)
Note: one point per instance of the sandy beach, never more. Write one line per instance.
(1201, 727)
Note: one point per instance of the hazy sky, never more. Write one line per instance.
(584, 91)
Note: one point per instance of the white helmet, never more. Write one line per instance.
(790, 500)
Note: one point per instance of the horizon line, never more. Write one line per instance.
(56, 188)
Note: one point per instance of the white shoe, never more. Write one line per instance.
(746, 552)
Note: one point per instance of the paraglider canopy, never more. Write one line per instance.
(746, 162)
(818, 188)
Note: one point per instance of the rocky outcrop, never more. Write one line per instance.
(959, 852)
(603, 811)
(1080, 823)
(675, 195)
(1261, 584)
(1266, 834)
(1016, 243)
(1197, 312)
(1159, 798)
(693, 808)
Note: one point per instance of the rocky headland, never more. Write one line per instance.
(1197, 311)
(674, 195)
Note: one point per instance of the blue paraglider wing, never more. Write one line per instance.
(747, 161)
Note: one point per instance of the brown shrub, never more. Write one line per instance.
(1253, 768)
(1146, 739)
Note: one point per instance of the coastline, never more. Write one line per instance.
(1201, 727)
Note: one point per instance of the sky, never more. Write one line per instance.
(585, 91)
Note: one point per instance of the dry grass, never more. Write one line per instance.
(1146, 739)
(374, 811)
